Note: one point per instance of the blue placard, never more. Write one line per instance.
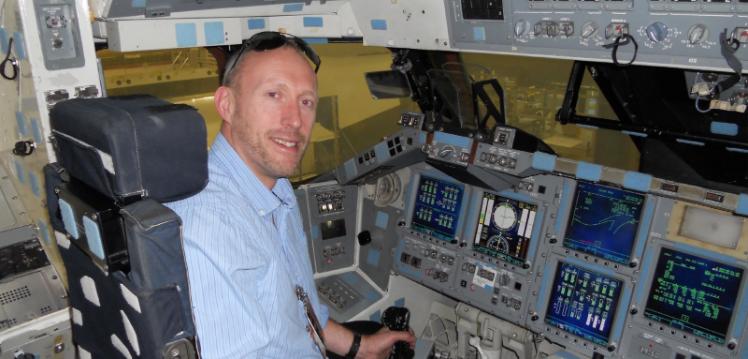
(313, 21)
(186, 35)
(214, 34)
(479, 33)
(724, 128)
(256, 24)
(378, 24)
(589, 171)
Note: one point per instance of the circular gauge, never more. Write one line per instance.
(498, 243)
(504, 216)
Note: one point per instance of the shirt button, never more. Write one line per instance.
(262, 212)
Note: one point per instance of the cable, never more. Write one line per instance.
(696, 105)
(619, 41)
(475, 343)
(13, 62)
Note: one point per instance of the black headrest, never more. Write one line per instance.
(132, 147)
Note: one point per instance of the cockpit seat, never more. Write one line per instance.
(118, 159)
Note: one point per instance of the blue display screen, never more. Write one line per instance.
(583, 303)
(437, 208)
(604, 221)
(504, 228)
(693, 294)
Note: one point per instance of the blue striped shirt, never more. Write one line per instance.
(243, 268)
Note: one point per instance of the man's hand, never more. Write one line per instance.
(379, 345)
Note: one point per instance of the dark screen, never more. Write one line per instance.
(604, 221)
(333, 229)
(693, 294)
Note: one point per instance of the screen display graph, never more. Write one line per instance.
(604, 221)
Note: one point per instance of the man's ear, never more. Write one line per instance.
(224, 101)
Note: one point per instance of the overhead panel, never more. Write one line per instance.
(662, 33)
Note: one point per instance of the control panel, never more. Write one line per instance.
(346, 294)
(655, 32)
(596, 261)
(58, 30)
(330, 224)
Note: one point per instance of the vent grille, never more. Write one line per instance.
(13, 295)
(7, 323)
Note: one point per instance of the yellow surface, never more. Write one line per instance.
(189, 77)
(534, 90)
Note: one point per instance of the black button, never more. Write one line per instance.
(679, 356)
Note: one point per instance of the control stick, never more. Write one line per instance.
(398, 319)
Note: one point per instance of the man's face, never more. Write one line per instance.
(273, 109)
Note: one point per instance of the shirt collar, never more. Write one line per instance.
(251, 188)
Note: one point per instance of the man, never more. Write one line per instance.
(250, 276)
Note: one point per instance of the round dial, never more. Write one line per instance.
(697, 34)
(657, 31)
(498, 243)
(521, 28)
(589, 29)
(504, 216)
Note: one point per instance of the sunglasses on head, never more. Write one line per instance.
(270, 40)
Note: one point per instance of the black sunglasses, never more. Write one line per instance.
(270, 40)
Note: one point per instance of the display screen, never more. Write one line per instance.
(604, 221)
(504, 228)
(437, 208)
(482, 10)
(693, 294)
(583, 303)
(332, 229)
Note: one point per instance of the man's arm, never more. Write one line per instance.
(338, 340)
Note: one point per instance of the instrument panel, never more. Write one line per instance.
(669, 33)
(599, 261)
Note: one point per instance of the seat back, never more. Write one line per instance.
(122, 249)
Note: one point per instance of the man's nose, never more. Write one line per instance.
(291, 115)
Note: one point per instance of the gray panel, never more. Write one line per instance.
(400, 150)
(60, 37)
(346, 295)
(543, 304)
(330, 224)
(29, 285)
(497, 261)
(45, 337)
(669, 33)
(644, 330)
(166, 7)
(377, 255)
(12, 211)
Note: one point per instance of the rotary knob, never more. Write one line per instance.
(657, 31)
(697, 34)
(589, 29)
(539, 28)
(521, 28)
(552, 29)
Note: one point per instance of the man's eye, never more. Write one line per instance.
(308, 103)
(273, 94)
